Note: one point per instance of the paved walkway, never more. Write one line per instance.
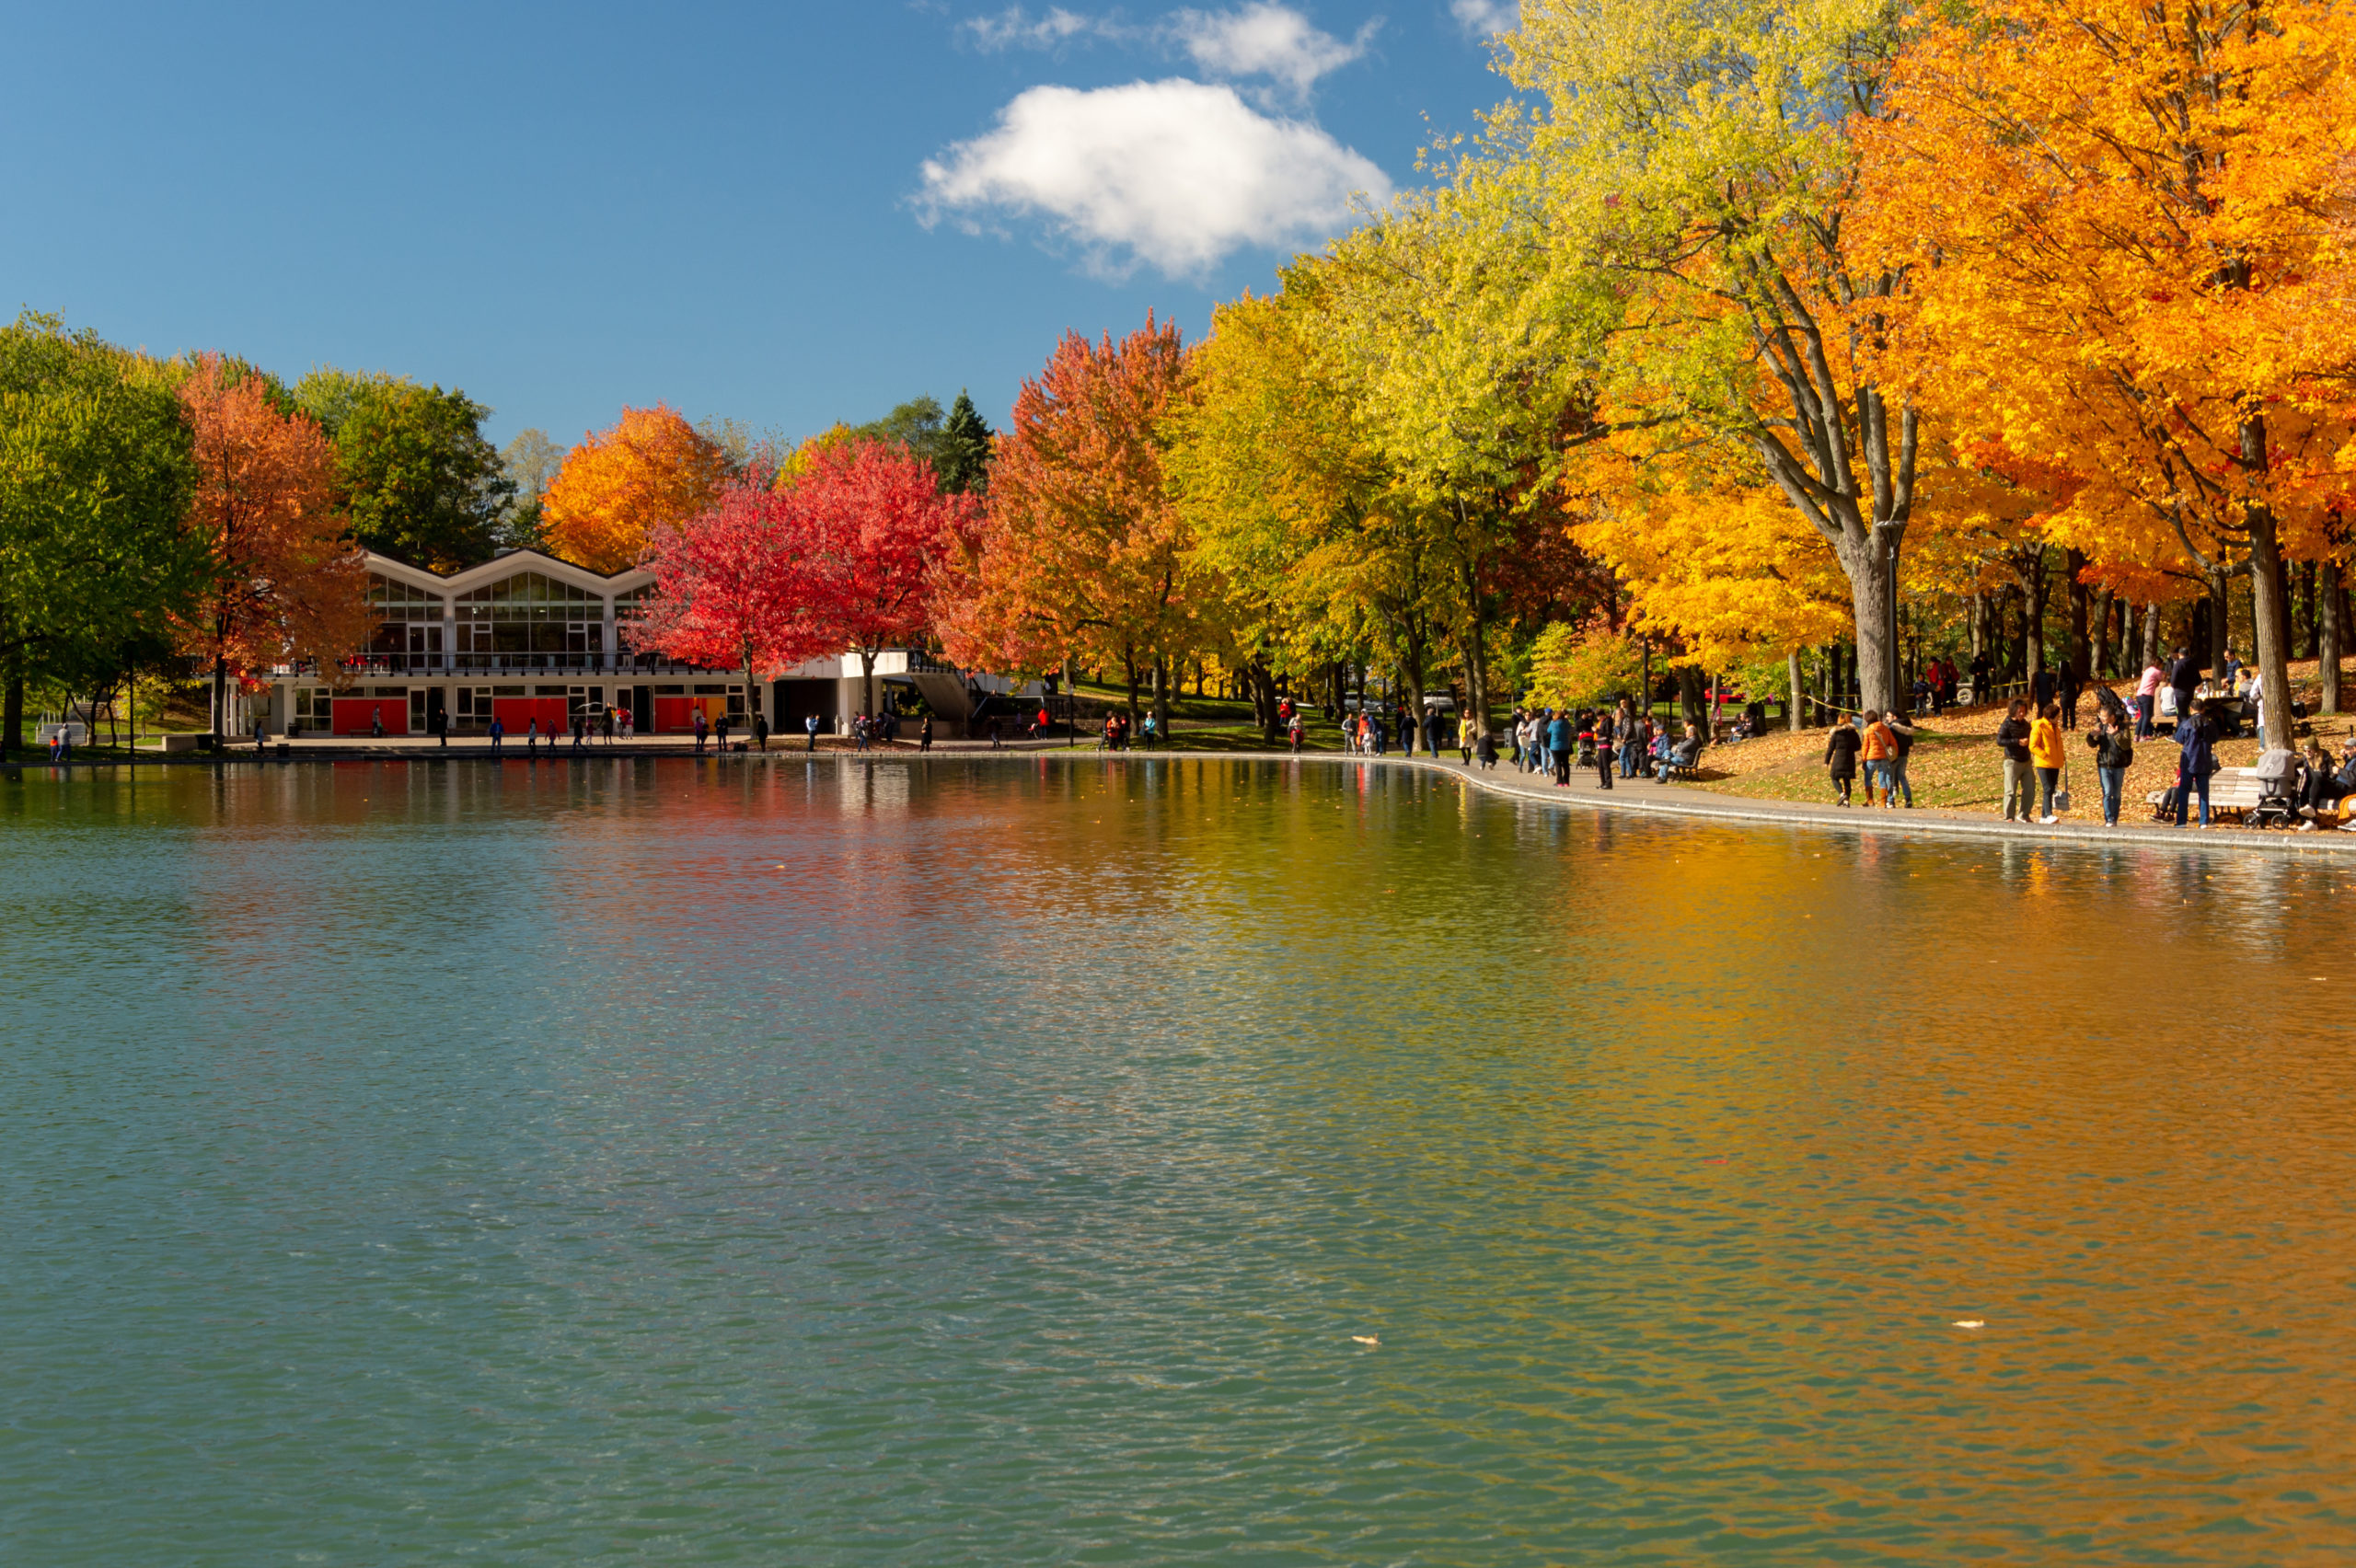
(1636, 796)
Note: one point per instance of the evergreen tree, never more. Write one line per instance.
(963, 458)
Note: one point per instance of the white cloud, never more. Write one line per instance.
(1016, 29)
(1483, 18)
(1266, 40)
(1175, 174)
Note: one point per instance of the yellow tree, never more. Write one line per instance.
(2125, 266)
(1694, 162)
(652, 469)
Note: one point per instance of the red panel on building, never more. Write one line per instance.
(516, 715)
(359, 715)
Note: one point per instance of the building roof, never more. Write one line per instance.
(505, 565)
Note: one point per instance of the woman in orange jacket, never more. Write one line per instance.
(1878, 750)
(2045, 754)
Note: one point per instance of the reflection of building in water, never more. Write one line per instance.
(534, 642)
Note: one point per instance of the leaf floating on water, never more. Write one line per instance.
(1971, 1322)
(1366, 1339)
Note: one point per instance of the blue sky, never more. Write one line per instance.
(787, 215)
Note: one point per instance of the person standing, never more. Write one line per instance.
(2195, 760)
(498, 733)
(810, 728)
(532, 735)
(2073, 685)
(606, 728)
(629, 723)
(2045, 754)
(2012, 739)
(2114, 750)
(1841, 748)
(1558, 745)
(1465, 739)
(924, 735)
(1606, 734)
(2147, 697)
(2184, 676)
(761, 729)
(702, 729)
(377, 722)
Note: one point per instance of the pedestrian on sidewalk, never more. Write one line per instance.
(1465, 739)
(2012, 739)
(1605, 735)
(924, 735)
(2046, 754)
(1904, 733)
(1841, 748)
(810, 728)
(1558, 745)
(2147, 694)
(532, 735)
(2195, 760)
(1876, 747)
(761, 729)
(2114, 750)
(498, 733)
(702, 728)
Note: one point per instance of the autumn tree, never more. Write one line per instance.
(530, 461)
(95, 475)
(1692, 163)
(652, 467)
(285, 582)
(874, 539)
(1084, 554)
(730, 589)
(2126, 265)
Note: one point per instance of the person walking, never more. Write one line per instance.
(441, 727)
(2073, 685)
(1625, 739)
(2196, 761)
(1902, 734)
(1841, 748)
(2012, 739)
(532, 735)
(629, 723)
(2046, 756)
(580, 732)
(377, 722)
(498, 733)
(761, 729)
(2114, 750)
(1465, 739)
(1876, 747)
(1295, 734)
(719, 733)
(606, 728)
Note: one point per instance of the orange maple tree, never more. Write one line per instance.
(651, 469)
(286, 585)
(2126, 276)
(1083, 552)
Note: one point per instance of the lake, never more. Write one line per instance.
(1002, 1162)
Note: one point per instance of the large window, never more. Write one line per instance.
(407, 631)
(531, 622)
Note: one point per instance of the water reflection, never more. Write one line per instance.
(813, 1161)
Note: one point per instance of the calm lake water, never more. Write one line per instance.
(817, 1164)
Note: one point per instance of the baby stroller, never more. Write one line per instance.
(2277, 774)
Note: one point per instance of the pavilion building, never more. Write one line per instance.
(531, 641)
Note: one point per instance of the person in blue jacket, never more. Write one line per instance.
(1558, 742)
(2195, 762)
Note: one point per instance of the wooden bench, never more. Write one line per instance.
(2230, 790)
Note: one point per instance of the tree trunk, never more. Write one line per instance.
(220, 696)
(2332, 636)
(1689, 695)
(1868, 567)
(1162, 697)
(1793, 720)
(1129, 672)
(2213, 657)
(1979, 619)
(2098, 655)
(2312, 629)
(2267, 602)
(2078, 657)
(2039, 592)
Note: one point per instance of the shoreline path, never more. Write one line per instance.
(1639, 797)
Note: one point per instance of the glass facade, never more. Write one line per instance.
(531, 622)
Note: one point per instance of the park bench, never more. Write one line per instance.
(2230, 790)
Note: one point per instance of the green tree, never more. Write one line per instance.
(95, 479)
(964, 462)
(420, 482)
(531, 461)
